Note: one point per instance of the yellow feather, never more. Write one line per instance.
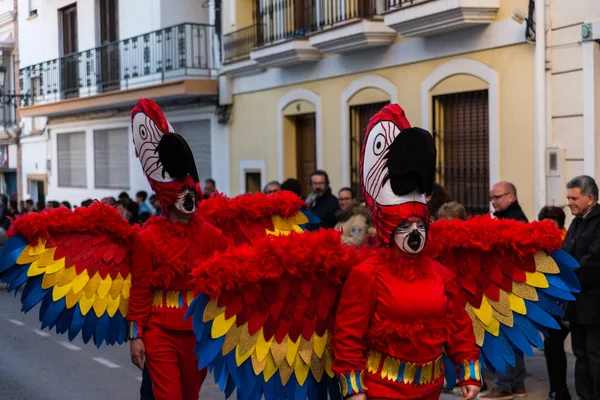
(493, 327)
(240, 358)
(100, 305)
(35, 269)
(124, 305)
(262, 346)
(56, 266)
(221, 326)
(49, 280)
(25, 258)
(279, 350)
(299, 219)
(281, 224)
(66, 276)
(484, 313)
(38, 249)
(270, 368)
(319, 343)
(301, 369)
(190, 298)
(86, 303)
(80, 281)
(113, 305)
(329, 362)
(126, 287)
(536, 279)
(47, 257)
(517, 304)
(545, 263)
(116, 287)
(92, 286)
(58, 292)
(409, 373)
(104, 286)
(292, 350)
(426, 373)
(73, 298)
(297, 229)
(467, 370)
(172, 299)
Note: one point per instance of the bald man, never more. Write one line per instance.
(503, 197)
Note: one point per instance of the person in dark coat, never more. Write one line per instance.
(503, 196)
(321, 201)
(583, 243)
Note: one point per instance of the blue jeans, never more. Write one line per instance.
(514, 379)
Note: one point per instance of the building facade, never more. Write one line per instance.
(85, 64)
(303, 78)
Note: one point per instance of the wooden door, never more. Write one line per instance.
(69, 61)
(306, 150)
(109, 50)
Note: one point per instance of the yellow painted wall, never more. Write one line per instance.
(253, 126)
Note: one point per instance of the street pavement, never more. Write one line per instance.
(39, 365)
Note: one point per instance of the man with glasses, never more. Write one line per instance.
(503, 197)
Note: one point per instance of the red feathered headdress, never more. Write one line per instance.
(397, 168)
(166, 158)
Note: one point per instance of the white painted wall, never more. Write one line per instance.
(34, 151)
(40, 39)
(12, 156)
(6, 6)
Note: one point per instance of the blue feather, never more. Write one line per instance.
(220, 373)
(290, 388)
(558, 293)
(549, 305)
(279, 392)
(450, 371)
(506, 349)
(209, 351)
(33, 293)
(76, 323)
(64, 320)
(518, 339)
(11, 252)
(248, 379)
(302, 391)
(46, 302)
(529, 330)
(334, 390)
(123, 329)
(229, 387)
(14, 272)
(89, 326)
(268, 388)
(198, 303)
(563, 258)
(19, 279)
(232, 368)
(101, 327)
(557, 282)
(112, 332)
(493, 353)
(51, 316)
(535, 313)
(257, 392)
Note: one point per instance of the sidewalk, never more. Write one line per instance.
(537, 377)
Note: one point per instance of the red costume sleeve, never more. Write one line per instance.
(461, 346)
(140, 295)
(356, 307)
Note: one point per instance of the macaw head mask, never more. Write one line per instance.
(166, 159)
(397, 171)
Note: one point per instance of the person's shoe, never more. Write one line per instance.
(519, 393)
(562, 395)
(495, 394)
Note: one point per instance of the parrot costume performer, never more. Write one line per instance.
(97, 276)
(301, 316)
(282, 314)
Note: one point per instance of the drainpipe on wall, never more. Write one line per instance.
(18, 91)
(540, 104)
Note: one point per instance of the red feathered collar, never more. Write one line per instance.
(97, 219)
(296, 255)
(487, 234)
(220, 210)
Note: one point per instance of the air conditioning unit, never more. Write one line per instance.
(556, 177)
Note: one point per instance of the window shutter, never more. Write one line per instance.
(111, 158)
(71, 159)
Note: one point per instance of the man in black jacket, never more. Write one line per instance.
(503, 196)
(321, 202)
(583, 243)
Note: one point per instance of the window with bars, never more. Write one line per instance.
(71, 159)
(111, 158)
(197, 134)
(359, 119)
(461, 133)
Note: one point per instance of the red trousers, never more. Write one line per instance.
(172, 364)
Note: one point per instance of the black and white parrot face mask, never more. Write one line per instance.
(410, 236)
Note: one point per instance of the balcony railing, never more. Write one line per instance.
(237, 45)
(179, 51)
